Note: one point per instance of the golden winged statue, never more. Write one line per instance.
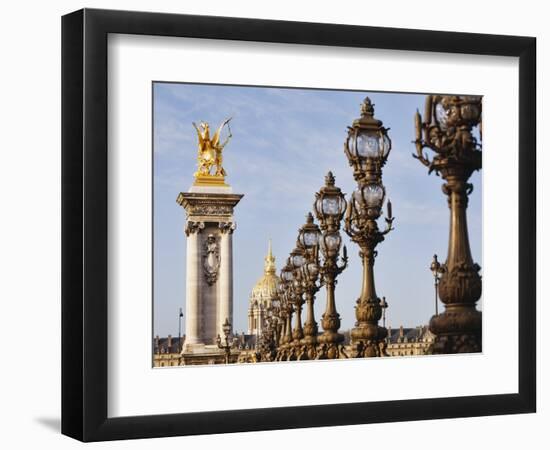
(210, 152)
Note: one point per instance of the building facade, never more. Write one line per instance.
(409, 341)
(167, 351)
(263, 294)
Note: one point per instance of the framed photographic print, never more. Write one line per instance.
(274, 224)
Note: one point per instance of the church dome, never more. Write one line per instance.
(266, 288)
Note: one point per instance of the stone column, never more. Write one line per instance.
(225, 295)
(192, 306)
(209, 281)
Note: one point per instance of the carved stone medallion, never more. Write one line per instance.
(211, 259)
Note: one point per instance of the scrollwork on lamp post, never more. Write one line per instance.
(447, 130)
(329, 207)
(367, 148)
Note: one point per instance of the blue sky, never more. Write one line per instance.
(284, 141)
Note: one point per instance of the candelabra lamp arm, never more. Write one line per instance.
(430, 135)
(351, 158)
(420, 155)
(348, 218)
(345, 260)
(389, 226)
(419, 143)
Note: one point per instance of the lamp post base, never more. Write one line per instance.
(457, 330)
(309, 348)
(330, 346)
(369, 340)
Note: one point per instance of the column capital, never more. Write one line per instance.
(193, 227)
(227, 227)
(209, 206)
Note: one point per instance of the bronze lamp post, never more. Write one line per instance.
(367, 148)
(274, 314)
(266, 343)
(297, 260)
(447, 130)
(283, 312)
(227, 346)
(329, 207)
(437, 271)
(287, 277)
(309, 240)
(384, 306)
(283, 316)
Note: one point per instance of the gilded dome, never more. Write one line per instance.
(266, 287)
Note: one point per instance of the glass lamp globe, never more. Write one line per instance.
(357, 199)
(369, 144)
(332, 205)
(288, 275)
(309, 233)
(441, 115)
(330, 243)
(385, 144)
(309, 238)
(312, 269)
(297, 259)
(373, 195)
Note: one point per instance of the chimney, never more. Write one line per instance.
(157, 342)
(169, 343)
(401, 333)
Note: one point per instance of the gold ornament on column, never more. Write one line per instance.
(210, 170)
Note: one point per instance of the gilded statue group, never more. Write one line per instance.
(210, 159)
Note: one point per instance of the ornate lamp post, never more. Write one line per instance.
(297, 260)
(274, 312)
(330, 205)
(227, 346)
(437, 271)
(282, 313)
(180, 316)
(384, 306)
(447, 130)
(287, 277)
(309, 240)
(266, 343)
(367, 148)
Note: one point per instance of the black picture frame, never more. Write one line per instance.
(84, 224)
